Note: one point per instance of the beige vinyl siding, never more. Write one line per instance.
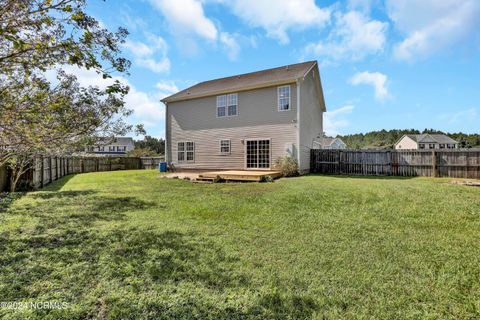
(258, 118)
(311, 116)
(207, 144)
(407, 143)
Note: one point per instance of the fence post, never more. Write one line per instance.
(340, 162)
(312, 155)
(41, 171)
(50, 169)
(434, 163)
(56, 168)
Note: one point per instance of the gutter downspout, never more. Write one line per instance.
(298, 122)
(167, 158)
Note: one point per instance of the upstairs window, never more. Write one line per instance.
(190, 150)
(421, 146)
(227, 105)
(442, 146)
(224, 146)
(431, 146)
(283, 98)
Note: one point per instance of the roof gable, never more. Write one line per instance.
(241, 82)
(431, 138)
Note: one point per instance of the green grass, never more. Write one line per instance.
(130, 245)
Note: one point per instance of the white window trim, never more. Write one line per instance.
(289, 98)
(185, 151)
(226, 106)
(229, 147)
(245, 154)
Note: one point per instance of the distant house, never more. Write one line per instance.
(246, 121)
(333, 143)
(118, 146)
(425, 142)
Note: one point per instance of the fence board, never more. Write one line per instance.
(436, 163)
(48, 169)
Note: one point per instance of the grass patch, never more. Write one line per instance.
(129, 245)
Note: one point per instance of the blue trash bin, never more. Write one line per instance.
(162, 166)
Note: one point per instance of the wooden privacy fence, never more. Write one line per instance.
(438, 163)
(48, 169)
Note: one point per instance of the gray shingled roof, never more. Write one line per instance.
(117, 141)
(245, 81)
(431, 138)
(327, 140)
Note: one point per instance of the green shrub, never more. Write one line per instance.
(267, 179)
(287, 165)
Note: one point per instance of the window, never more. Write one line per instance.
(190, 151)
(185, 151)
(232, 104)
(421, 146)
(442, 146)
(111, 148)
(450, 146)
(227, 105)
(181, 151)
(431, 146)
(221, 106)
(224, 146)
(283, 98)
(101, 148)
(121, 148)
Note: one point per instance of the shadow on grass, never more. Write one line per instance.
(81, 251)
(361, 177)
(57, 185)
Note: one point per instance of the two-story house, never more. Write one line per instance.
(245, 122)
(118, 146)
(333, 143)
(425, 142)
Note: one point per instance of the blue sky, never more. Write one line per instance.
(384, 64)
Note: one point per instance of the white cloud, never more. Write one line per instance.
(187, 16)
(279, 16)
(161, 66)
(138, 48)
(432, 25)
(147, 108)
(187, 19)
(230, 45)
(463, 115)
(335, 120)
(360, 5)
(152, 56)
(166, 88)
(354, 36)
(376, 79)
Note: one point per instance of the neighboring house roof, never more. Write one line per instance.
(117, 141)
(327, 141)
(431, 138)
(247, 81)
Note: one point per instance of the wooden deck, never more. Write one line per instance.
(238, 175)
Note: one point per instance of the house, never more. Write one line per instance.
(118, 146)
(333, 143)
(426, 141)
(246, 121)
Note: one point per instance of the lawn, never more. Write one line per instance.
(130, 245)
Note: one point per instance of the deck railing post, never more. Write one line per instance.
(434, 163)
